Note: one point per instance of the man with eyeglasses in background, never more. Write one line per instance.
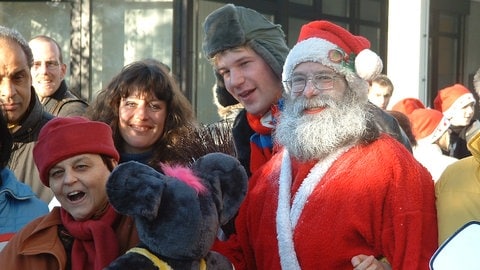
(48, 73)
(22, 108)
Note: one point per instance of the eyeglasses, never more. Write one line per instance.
(48, 64)
(320, 81)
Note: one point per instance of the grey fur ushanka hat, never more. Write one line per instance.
(231, 26)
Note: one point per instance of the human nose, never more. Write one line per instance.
(141, 112)
(470, 109)
(42, 68)
(69, 178)
(310, 90)
(235, 80)
(7, 89)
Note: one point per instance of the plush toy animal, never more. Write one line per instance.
(178, 213)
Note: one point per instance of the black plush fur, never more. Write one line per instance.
(175, 223)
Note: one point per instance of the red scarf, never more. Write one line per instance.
(261, 145)
(95, 243)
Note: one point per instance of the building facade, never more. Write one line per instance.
(425, 44)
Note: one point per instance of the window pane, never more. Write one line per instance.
(122, 33)
(373, 35)
(447, 24)
(303, 2)
(447, 61)
(370, 10)
(336, 7)
(294, 25)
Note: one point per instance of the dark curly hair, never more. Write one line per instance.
(151, 78)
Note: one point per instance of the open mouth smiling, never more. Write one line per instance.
(75, 196)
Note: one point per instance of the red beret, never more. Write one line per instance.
(65, 137)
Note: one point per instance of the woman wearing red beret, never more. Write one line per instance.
(75, 157)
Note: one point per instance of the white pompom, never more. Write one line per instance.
(368, 64)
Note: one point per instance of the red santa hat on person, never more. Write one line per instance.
(333, 46)
(428, 125)
(452, 98)
(408, 105)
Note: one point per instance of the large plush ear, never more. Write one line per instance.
(228, 182)
(136, 189)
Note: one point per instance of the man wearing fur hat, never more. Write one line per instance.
(340, 194)
(247, 52)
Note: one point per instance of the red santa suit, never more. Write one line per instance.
(373, 199)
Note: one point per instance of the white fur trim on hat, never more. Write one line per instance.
(441, 128)
(459, 103)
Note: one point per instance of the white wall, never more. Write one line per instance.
(407, 48)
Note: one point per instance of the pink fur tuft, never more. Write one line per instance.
(185, 175)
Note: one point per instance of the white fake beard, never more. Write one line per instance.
(315, 136)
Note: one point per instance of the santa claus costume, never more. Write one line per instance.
(364, 197)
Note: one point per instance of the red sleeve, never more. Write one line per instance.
(410, 239)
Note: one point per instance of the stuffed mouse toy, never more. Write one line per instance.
(177, 213)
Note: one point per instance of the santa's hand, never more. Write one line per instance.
(364, 262)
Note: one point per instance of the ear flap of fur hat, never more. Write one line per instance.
(228, 180)
(220, 94)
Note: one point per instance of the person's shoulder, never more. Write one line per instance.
(388, 144)
(19, 190)
(69, 105)
(73, 107)
(38, 225)
(461, 174)
(387, 154)
(461, 166)
(40, 231)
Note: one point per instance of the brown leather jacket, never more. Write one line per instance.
(38, 246)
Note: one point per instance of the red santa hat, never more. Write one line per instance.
(408, 105)
(428, 125)
(452, 98)
(333, 46)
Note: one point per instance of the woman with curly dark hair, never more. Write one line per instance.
(151, 120)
